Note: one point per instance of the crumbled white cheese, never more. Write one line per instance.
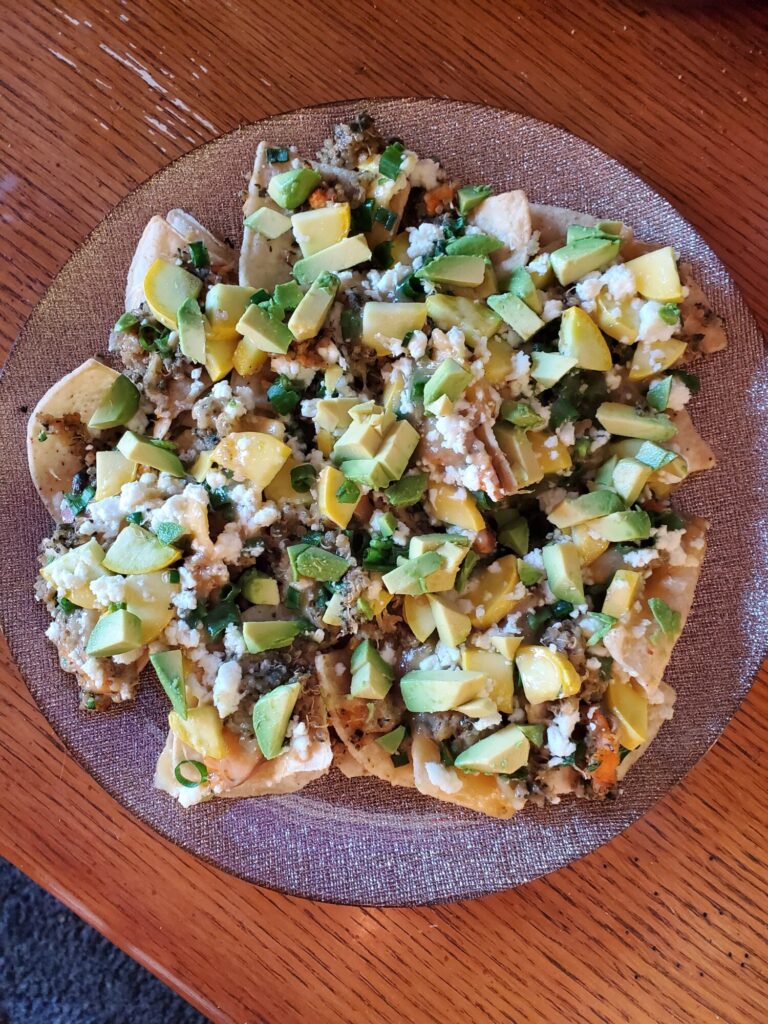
(226, 688)
(109, 590)
(588, 289)
(417, 346)
(652, 328)
(443, 778)
(424, 174)
(679, 395)
(613, 379)
(553, 308)
(562, 725)
(620, 282)
(422, 239)
(293, 369)
(489, 722)
(637, 559)
(234, 644)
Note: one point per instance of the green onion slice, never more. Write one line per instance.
(191, 783)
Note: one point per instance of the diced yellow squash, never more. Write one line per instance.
(149, 596)
(280, 489)
(590, 548)
(499, 365)
(453, 626)
(339, 512)
(450, 506)
(419, 617)
(651, 357)
(399, 251)
(325, 442)
(657, 276)
(201, 729)
(581, 339)
(73, 572)
(317, 229)
(393, 392)
(202, 466)
(166, 286)
(618, 319)
(628, 703)
(247, 358)
(378, 601)
(331, 378)
(545, 674)
(220, 357)
(252, 456)
(224, 305)
(551, 458)
(498, 670)
(622, 592)
(506, 645)
(112, 471)
(332, 613)
(333, 414)
(387, 320)
(520, 454)
(492, 592)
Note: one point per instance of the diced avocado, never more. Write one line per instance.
(501, 753)
(655, 456)
(201, 730)
(341, 256)
(629, 479)
(271, 715)
(391, 741)
(563, 568)
(318, 564)
(310, 315)
(398, 447)
(418, 616)
(547, 368)
(604, 475)
(166, 286)
(410, 576)
(287, 296)
(118, 405)
(513, 531)
(628, 703)
(269, 636)
(291, 188)
(520, 317)
(576, 231)
(473, 245)
(191, 330)
(518, 449)
(450, 550)
(480, 707)
(407, 491)
(385, 320)
(115, 633)
(529, 574)
(473, 318)
(506, 646)
(470, 196)
(656, 275)
(361, 440)
(361, 410)
(112, 471)
(264, 332)
(440, 689)
(534, 733)
(434, 541)
(224, 305)
(333, 614)
(623, 526)
(449, 379)
(453, 627)
(268, 222)
(145, 452)
(521, 284)
(366, 654)
(371, 675)
(657, 395)
(318, 229)
(581, 256)
(332, 414)
(136, 550)
(581, 339)
(293, 551)
(625, 421)
(622, 592)
(441, 406)
(169, 666)
(386, 524)
(572, 511)
(466, 271)
(258, 588)
(366, 471)
(545, 674)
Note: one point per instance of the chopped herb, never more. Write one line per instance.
(668, 518)
(258, 297)
(399, 758)
(577, 757)
(224, 613)
(520, 774)
(351, 324)
(514, 532)
(536, 619)
(381, 257)
(409, 290)
(90, 704)
(606, 667)
(669, 313)
(174, 576)
(42, 435)
(293, 598)
(348, 493)
(471, 196)
(137, 518)
(462, 577)
(529, 574)
(391, 160)
(77, 501)
(386, 217)
(126, 322)
(199, 255)
(66, 605)
(561, 610)
(520, 414)
(362, 217)
(116, 606)
(407, 491)
(582, 446)
(483, 501)
(218, 497)
(365, 608)
(169, 533)
(690, 380)
(277, 154)
(380, 554)
(561, 411)
(198, 766)
(418, 383)
(302, 478)
(603, 625)
(158, 442)
(623, 753)
(284, 395)
(667, 618)
(154, 338)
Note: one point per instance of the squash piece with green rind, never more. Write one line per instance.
(72, 573)
(169, 666)
(135, 551)
(166, 286)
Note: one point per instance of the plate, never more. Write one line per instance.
(362, 842)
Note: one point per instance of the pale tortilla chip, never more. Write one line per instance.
(346, 712)
(689, 443)
(637, 644)
(61, 417)
(264, 263)
(703, 328)
(221, 256)
(507, 216)
(487, 794)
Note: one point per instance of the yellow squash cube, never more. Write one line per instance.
(590, 548)
(551, 458)
(166, 286)
(219, 357)
(252, 456)
(455, 509)
(247, 358)
(112, 471)
(492, 592)
(201, 729)
(497, 669)
(148, 597)
(651, 357)
(224, 305)
(546, 675)
(628, 704)
(339, 512)
(622, 592)
(657, 276)
(419, 617)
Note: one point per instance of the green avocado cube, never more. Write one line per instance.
(470, 196)
(398, 447)
(191, 323)
(521, 284)
(502, 753)
(318, 564)
(268, 222)
(629, 478)
(547, 368)
(332, 414)
(449, 379)
(366, 654)
(258, 588)
(271, 715)
(563, 568)
(287, 295)
(368, 683)
(368, 472)
(118, 406)
(464, 271)
(440, 689)
(263, 331)
(169, 666)
(269, 636)
(410, 577)
(145, 452)
(408, 490)
(291, 188)
(473, 245)
(337, 257)
(604, 475)
(361, 440)
(622, 526)
(115, 633)
(573, 511)
(310, 314)
(580, 257)
(391, 741)
(626, 421)
(520, 317)
(577, 231)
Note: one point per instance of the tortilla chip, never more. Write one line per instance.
(264, 263)
(507, 216)
(702, 327)
(221, 256)
(60, 418)
(346, 712)
(689, 443)
(487, 794)
(637, 644)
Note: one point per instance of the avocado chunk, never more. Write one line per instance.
(521, 284)
(191, 330)
(115, 633)
(659, 390)
(518, 449)
(580, 338)
(581, 256)
(450, 379)
(653, 455)
(291, 188)
(501, 753)
(563, 568)
(473, 245)
(169, 666)
(474, 319)
(440, 689)
(263, 331)
(466, 271)
(269, 636)
(623, 526)
(471, 196)
(410, 576)
(361, 440)
(520, 317)
(368, 472)
(572, 511)
(514, 531)
(310, 314)
(399, 445)
(604, 475)
(136, 550)
(332, 414)
(145, 452)
(268, 222)
(453, 627)
(391, 741)
(293, 551)
(602, 230)
(340, 256)
(271, 715)
(408, 490)
(371, 675)
(258, 588)
(625, 421)
(318, 564)
(629, 478)
(118, 406)
(547, 368)
(480, 707)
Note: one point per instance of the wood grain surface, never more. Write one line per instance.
(668, 922)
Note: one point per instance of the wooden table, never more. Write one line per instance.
(668, 922)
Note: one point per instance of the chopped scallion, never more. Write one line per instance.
(284, 394)
(391, 160)
(348, 493)
(199, 255)
(277, 154)
(199, 767)
(302, 478)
